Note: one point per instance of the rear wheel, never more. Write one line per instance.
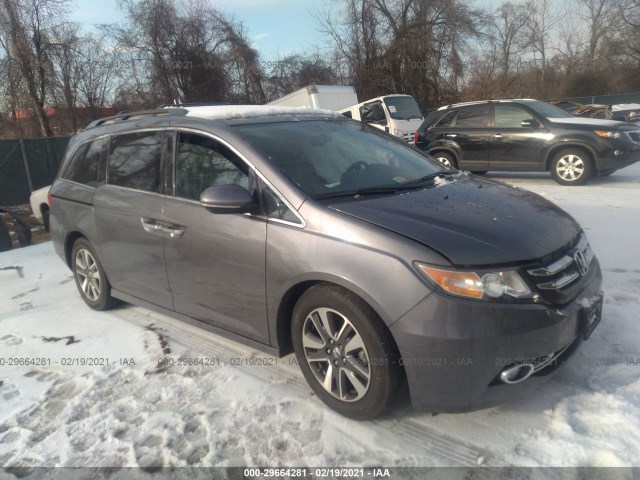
(446, 159)
(571, 167)
(90, 278)
(345, 352)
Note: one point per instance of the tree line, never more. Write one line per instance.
(55, 76)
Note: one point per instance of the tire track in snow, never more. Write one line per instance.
(447, 450)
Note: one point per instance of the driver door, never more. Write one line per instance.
(215, 262)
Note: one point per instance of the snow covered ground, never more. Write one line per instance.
(100, 397)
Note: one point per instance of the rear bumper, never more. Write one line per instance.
(453, 350)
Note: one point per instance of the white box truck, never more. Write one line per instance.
(329, 97)
(398, 115)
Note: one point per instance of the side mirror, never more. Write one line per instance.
(530, 123)
(226, 199)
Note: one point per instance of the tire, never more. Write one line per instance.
(571, 166)
(45, 217)
(362, 375)
(606, 173)
(445, 159)
(91, 281)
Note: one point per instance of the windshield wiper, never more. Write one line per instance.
(360, 192)
(428, 178)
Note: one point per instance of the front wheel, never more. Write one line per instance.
(345, 352)
(90, 278)
(571, 167)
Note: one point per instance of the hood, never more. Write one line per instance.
(588, 122)
(471, 221)
(407, 126)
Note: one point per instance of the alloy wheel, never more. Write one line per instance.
(570, 167)
(336, 354)
(88, 274)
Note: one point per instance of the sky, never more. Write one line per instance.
(276, 28)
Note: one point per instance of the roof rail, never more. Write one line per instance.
(178, 105)
(122, 116)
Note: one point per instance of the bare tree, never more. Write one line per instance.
(26, 27)
(187, 51)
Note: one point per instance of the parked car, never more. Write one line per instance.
(372, 262)
(528, 135)
(39, 201)
(626, 112)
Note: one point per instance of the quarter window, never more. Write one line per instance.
(477, 117)
(134, 161)
(83, 165)
(275, 207)
(447, 120)
(201, 162)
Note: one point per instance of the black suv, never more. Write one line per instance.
(528, 135)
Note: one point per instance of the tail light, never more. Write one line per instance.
(49, 198)
(416, 136)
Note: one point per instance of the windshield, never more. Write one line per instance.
(326, 157)
(547, 110)
(402, 107)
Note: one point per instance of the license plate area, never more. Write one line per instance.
(590, 318)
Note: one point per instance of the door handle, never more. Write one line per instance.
(451, 135)
(498, 136)
(174, 231)
(151, 225)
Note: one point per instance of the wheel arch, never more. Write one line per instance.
(69, 241)
(565, 146)
(293, 294)
(441, 148)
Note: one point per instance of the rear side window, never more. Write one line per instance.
(83, 165)
(134, 161)
(473, 117)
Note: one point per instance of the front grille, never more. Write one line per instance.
(408, 137)
(554, 277)
(634, 136)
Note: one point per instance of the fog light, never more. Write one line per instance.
(617, 153)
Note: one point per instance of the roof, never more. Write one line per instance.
(226, 112)
(215, 112)
(484, 102)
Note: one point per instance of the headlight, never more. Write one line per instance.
(397, 132)
(607, 134)
(478, 285)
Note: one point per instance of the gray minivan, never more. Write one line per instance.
(296, 230)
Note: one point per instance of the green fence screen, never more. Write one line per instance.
(27, 165)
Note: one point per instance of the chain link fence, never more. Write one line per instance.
(27, 165)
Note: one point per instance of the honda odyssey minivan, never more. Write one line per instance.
(295, 230)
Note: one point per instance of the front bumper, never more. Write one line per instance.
(453, 350)
(628, 153)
